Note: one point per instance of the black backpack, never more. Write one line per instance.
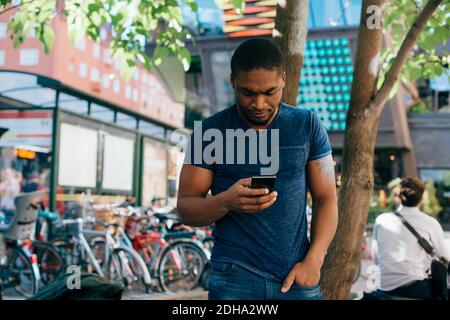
(92, 287)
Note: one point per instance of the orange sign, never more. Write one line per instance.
(25, 154)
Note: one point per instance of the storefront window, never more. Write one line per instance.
(96, 165)
(154, 175)
(78, 151)
(118, 157)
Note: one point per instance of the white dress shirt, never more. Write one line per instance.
(400, 258)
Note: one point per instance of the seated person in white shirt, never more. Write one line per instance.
(404, 265)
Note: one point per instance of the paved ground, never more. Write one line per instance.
(197, 294)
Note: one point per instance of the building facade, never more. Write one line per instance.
(407, 143)
(75, 127)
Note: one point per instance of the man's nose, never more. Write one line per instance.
(259, 101)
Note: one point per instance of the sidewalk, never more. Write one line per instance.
(197, 294)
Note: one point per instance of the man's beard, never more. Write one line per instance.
(256, 122)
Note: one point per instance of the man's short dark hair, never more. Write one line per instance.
(257, 53)
(411, 191)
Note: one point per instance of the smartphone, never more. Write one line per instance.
(263, 182)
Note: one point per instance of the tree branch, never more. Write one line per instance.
(410, 40)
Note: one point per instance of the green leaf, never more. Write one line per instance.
(28, 27)
(440, 34)
(131, 62)
(380, 80)
(47, 38)
(48, 5)
(398, 31)
(426, 43)
(192, 4)
(436, 70)
(17, 41)
(93, 32)
(394, 89)
(104, 20)
(4, 2)
(159, 54)
(146, 62)
(74, 35)
(184, 56)
(96, 18)
(92, 7)
(239, 5)
(116, 19)
(158, 20)
(415, 72)
(126, 71)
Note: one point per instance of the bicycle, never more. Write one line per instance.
(50, 263)
(19, 270)
(118, 258)
(174, 258)
(75, 249)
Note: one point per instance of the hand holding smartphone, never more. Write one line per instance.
(249, 196)
(263, 182)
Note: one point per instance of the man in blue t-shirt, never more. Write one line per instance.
(261, 246)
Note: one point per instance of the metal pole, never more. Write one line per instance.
(55, 155)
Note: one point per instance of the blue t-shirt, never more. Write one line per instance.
(272, 241)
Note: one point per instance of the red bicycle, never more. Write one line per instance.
(176, 259)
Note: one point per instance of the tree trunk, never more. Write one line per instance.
(291, 29)
(357, 173)
(362, 125)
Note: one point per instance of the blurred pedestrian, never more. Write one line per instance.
(404, 265)
(33, 182)
(9, 189)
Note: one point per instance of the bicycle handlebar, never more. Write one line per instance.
(77, 220)
(71, 221)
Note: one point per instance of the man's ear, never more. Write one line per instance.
(233, 84)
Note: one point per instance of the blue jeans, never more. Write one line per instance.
(229, 281)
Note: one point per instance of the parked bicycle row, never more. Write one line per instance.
(145, 249)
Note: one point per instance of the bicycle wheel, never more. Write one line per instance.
(18, 276)
(128, 267)
(98, 247)
(74, 255)
(180, 266)
(49, 261)
(65, 249)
